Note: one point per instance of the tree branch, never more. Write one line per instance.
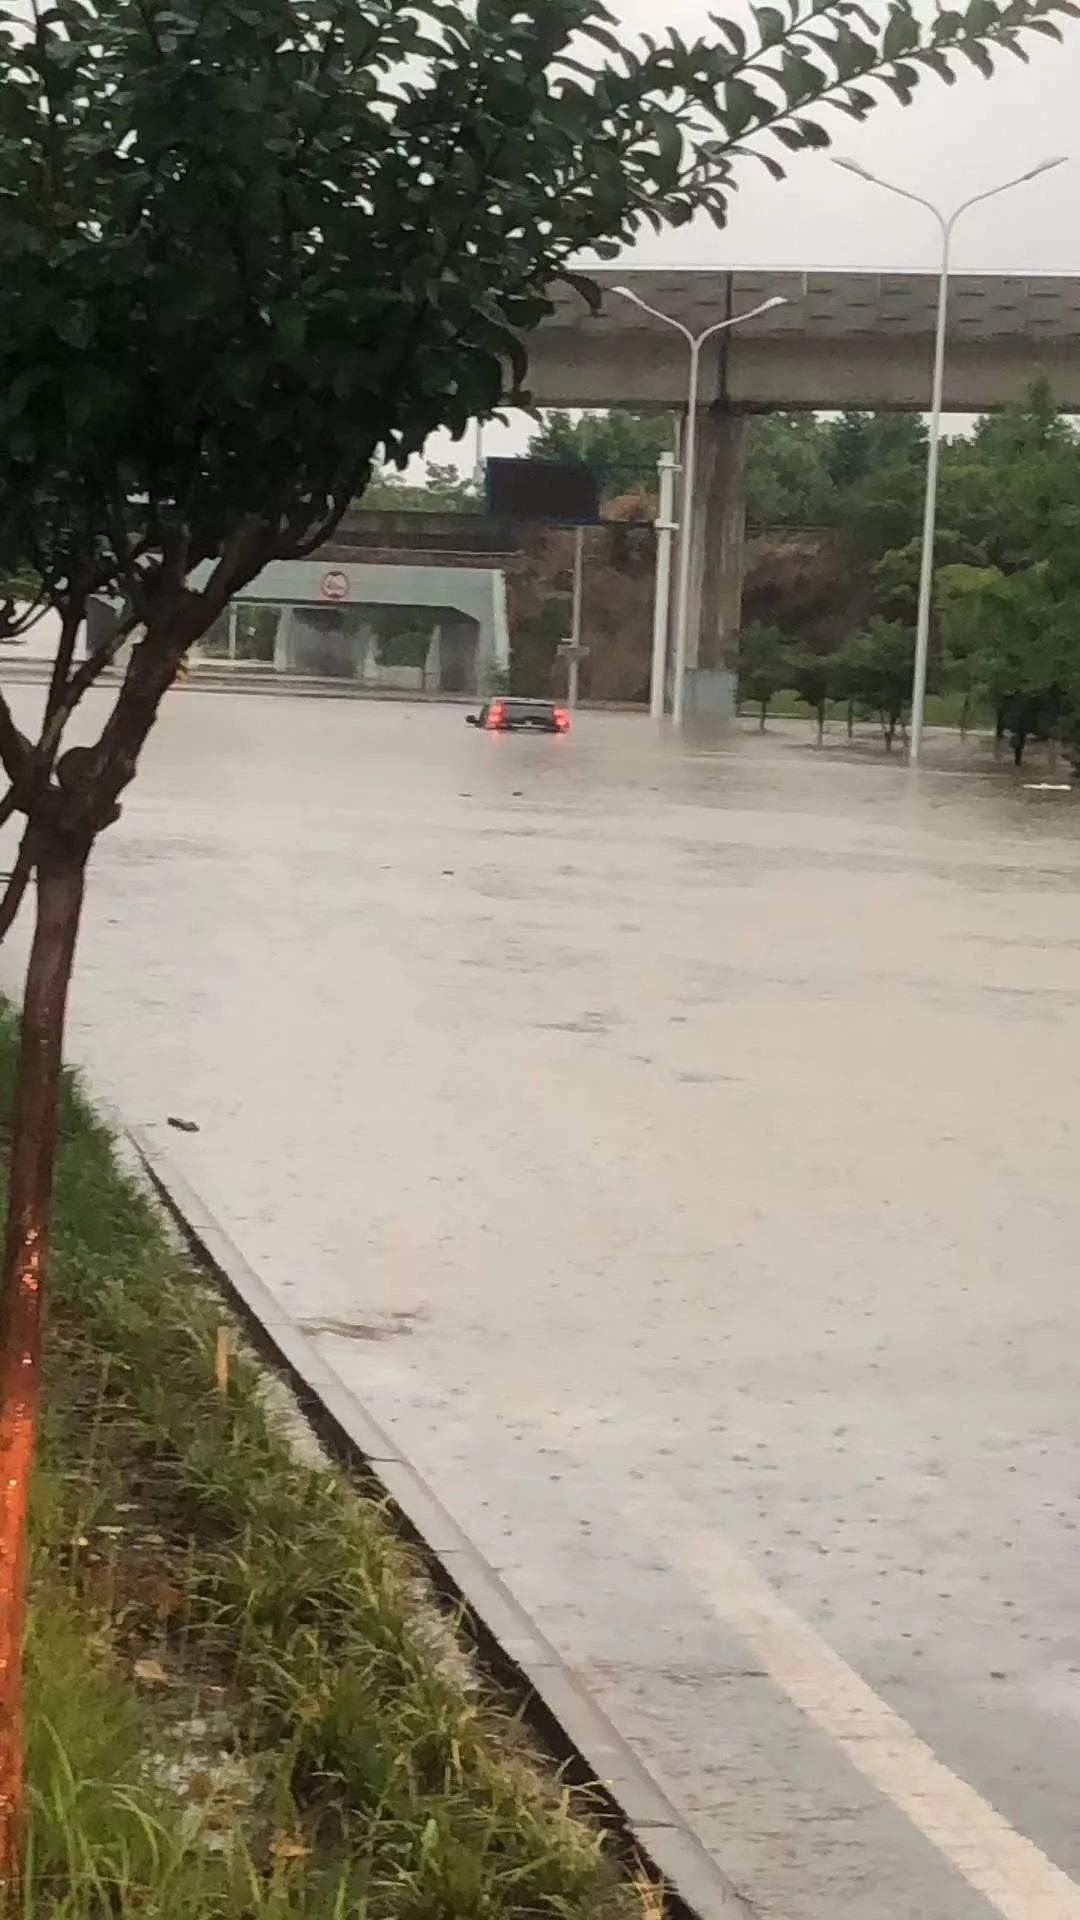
(74, 612)
(244, 555)
(17, 883)
(14, 748)
(81, 681)
(13, 625)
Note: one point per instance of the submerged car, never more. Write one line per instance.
(520, 716)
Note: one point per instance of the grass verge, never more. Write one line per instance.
(244, 1701)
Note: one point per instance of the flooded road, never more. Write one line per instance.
(687, 1144)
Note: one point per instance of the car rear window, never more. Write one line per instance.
(528, 710)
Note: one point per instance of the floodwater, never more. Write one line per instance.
(684, 1143)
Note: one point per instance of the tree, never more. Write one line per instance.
(445, 490)
(860, 444)
(881, 510)
(763, 666)
(250, 250)
(787, 478)
(622, 448)
(1010, 612)
(788, 483)
(814, 676)
(1018, 636)
(875, 670)
(956, 592)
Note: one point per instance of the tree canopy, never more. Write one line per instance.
(444, 490)
(1006, 609)
(799, 466)
(622, 447)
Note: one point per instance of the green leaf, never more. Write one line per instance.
(851, 10)
(603, 36)
(770, 164)
(290, 329)
(742, 106)
(902, 81)
(771, 25)
(978, 55)
(813, 135)
(732, 33)
(799, 134)
(981, 17)
(580, 283)
(669, 138)
(854, 102)
(901, 33)
(936, 61)
(74, 324)
(800, 80)
(849, 53)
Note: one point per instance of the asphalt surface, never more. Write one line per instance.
(677, 1149)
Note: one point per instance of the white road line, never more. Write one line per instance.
(1012, 1873)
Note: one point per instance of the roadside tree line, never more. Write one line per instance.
(834, 508)
(1005, 639)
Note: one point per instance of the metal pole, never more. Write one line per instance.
(686, 537)
(926, 565)
(575, 623)
(232, 630)
(665, 527)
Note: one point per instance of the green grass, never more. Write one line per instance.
(243, 1704)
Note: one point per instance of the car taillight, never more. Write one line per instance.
(562, 719)
(496, 715)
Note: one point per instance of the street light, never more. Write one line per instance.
(946, 223)
(686, 531)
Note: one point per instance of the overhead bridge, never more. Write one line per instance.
(844, 339)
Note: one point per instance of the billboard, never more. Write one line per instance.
(560, 493)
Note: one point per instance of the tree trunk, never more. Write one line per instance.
(821, 724)
(34, 1123)
(764, 711)
(851, 719)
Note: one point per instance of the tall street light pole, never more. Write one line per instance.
(946, 223)
(695, 342)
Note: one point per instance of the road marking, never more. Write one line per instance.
(1013, 1874)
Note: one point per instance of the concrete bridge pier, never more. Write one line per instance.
(717, 563)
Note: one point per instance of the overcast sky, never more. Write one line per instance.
(952, 142)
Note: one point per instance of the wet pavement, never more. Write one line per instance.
(677, 1150)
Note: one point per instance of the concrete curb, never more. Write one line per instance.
(575, 1723)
